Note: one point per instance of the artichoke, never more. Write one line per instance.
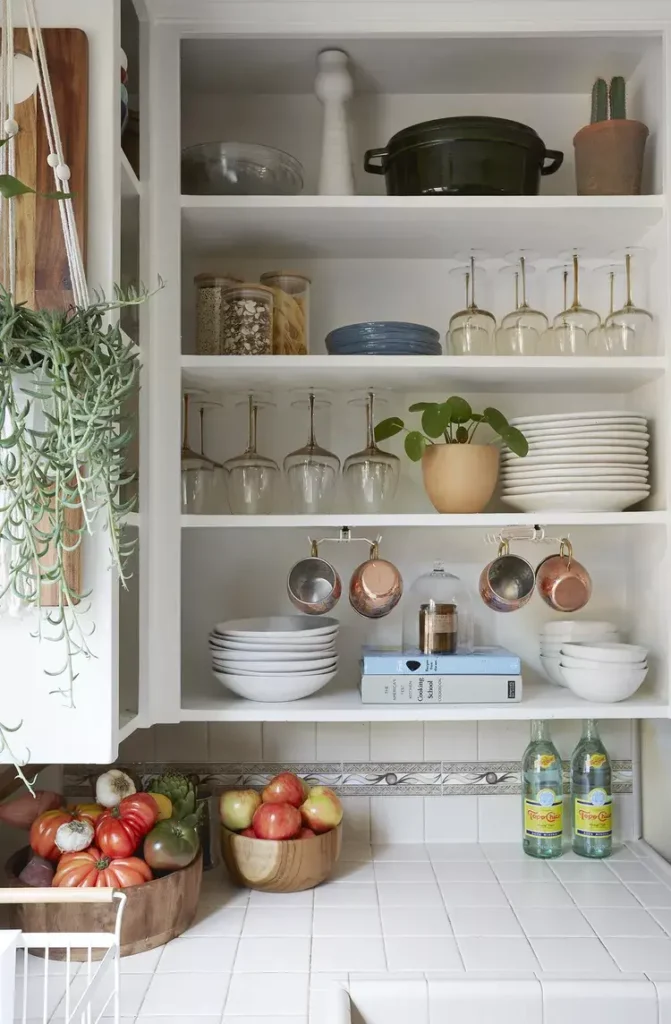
(182, 792)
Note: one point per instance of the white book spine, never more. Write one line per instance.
(404, 689)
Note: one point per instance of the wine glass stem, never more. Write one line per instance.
(311, 442)
(523, 281)
(565, 276)
(202, 429)
(253, 409)
(517, 290)
(472, 262)
(627, 267)
(370, 434)
(612, 292)
(185, 425)
(576, 300)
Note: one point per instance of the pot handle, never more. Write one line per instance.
(370, 155)
(557, 158)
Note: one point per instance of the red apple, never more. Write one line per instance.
(236, 808)
(277, 821)
(249, 832)
(306, 833)
(285, 788)
(322, 810)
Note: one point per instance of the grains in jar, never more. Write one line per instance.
(291, 311)
(209, 311)
(437, 628)
(247, 328)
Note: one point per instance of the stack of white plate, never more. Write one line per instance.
(604, 672)
(563, 631)
(578, 462)
(281, 658)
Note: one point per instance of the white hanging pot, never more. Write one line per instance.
(35, 420)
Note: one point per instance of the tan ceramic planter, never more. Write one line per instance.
(460, 477)
(609, 158)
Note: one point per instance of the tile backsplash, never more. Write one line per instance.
(393, 778)
(357, 741)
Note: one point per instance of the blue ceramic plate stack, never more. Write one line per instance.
(383, 338)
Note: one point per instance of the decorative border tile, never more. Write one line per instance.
(358, 778)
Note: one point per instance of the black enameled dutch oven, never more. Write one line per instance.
(460, 156)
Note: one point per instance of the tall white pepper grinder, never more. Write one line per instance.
(334, 87)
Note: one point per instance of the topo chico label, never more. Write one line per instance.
(594, 815)
(543, 816)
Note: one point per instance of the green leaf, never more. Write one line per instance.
(495, 419)
(388, 428)
(415, 444)
(420, 406)
(459, 410)
(434, 420)
(462, 435)
(11, 186)
(516, 441)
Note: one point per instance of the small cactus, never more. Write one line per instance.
(599, 101)
(618, 99)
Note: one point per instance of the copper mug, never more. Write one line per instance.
(563, 583)
(507, 582)
(313, 585)
(376, 586)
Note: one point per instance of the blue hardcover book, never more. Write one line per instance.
(484, 661)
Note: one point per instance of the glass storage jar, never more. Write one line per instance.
(247, 323)
(291, 313)
(210, 290)
(434, 605)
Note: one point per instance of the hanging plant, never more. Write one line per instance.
(66, 379)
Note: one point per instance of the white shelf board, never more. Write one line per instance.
(341, 702)
(413, 226)
(525, 374)
(424, 520)
(131, 185)
(128, 723)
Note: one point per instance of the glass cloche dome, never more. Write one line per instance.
(438, 614)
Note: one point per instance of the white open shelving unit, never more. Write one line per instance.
(219, 71)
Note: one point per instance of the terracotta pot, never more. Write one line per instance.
(609, 158)
(460, 477)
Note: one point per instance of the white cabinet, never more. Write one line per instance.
(246, 71)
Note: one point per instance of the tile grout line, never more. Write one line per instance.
(512, 909)
(599, 939)
(449, 919)
(379, 913)
(235, 956)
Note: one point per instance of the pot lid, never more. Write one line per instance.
(445, 129)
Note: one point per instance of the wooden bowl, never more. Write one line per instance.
(154, 913)
(289, 865)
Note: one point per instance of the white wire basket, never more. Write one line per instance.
(35, 988)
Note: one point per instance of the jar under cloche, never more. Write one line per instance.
(438, 614)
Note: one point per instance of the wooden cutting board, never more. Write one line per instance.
(43, 276)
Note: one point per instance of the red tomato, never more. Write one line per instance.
(43, 833)
(119, 830)
(90, 868)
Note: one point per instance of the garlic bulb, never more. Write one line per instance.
(74, 836)
(112, 787)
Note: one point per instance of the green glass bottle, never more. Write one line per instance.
(542, 795)
(591, 795)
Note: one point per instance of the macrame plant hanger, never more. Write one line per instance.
(9, 130)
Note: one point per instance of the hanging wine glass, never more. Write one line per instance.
(471, 330)
(573, 324)
(311, 471)
(371, 475)
(251, 478)
(520, 331)
(218, 502)
(630, 318)
(196, 469)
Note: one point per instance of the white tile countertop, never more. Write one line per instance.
(470, 932)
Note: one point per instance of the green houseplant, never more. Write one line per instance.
(66, 381)
(459, 475)
(609, 151)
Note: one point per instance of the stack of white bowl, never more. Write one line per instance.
(603, 672)
(563, 631)
(578, 462)
(281, 658)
